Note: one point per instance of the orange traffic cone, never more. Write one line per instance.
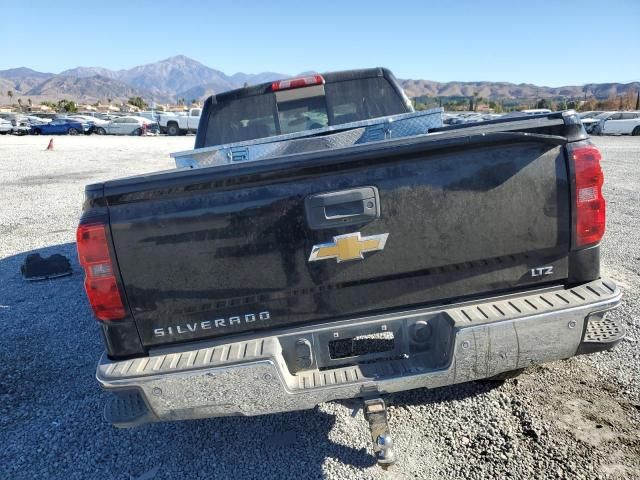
(50, 146)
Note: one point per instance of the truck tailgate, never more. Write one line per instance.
(216, 251)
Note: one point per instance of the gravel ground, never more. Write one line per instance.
(578, 418)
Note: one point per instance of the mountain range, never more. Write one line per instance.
(508, 91)
(163, 81)
(182, 77)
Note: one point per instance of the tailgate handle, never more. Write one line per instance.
(342, 208)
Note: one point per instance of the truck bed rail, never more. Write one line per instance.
(336, 136)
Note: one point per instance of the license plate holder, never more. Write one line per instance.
(360, 344)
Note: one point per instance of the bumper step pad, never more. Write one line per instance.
(602, 333)
(127, 409)
(603, 330)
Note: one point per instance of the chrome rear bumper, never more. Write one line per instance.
(258, 376)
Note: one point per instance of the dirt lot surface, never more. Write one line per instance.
(578, 418)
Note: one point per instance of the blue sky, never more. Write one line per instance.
(552, 43)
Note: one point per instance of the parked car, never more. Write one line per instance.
(89, 119)
(618, 123)
(105, 116)
(152, 115)
(48, 116)
(527, 112)
(591, 122)
(180, 124)
(462, 117)
(357, 255)
(60, 126)
(6, 116)
(14, 118)
(21, 125)
(130, 125)
(5, 126)
(536, 111)
(590, 114)
(22, 128)
(33, 120)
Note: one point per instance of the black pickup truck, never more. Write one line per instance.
(344, 271)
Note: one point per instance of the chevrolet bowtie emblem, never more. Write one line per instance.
(348, 247)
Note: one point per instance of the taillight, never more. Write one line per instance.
(100, 281)
(589, 203)
(297, 82)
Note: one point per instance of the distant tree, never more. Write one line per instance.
(496, 106)
(562, 105)
(30, 102)
(194, 101)
(628, 101)
(49, 104)
(138, 102)
(610, 103)
(543, 103)
(68, 106)
(589, 105)
(638, 101)
(10, 95)
(20, 103)
(456, 104)
(109, 101)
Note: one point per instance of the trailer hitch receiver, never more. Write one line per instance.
(375, 412)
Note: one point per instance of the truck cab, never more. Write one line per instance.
(302, 104)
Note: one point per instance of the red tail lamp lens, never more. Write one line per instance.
(590, 205)
(100, 281)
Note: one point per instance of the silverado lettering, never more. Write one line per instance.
(207, 324)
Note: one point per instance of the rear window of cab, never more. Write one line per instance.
(307, 108)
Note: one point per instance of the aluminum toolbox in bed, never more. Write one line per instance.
(336, 136)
